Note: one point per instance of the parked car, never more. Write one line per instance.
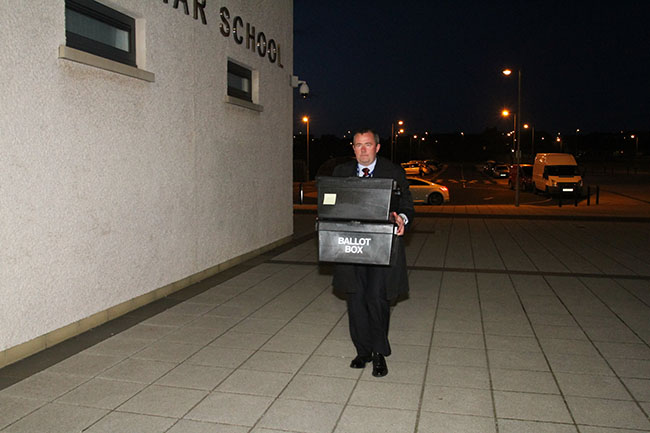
(425, 191)
(416, 168)
(525, 177)
(433, 164)
(501, 171)
(488, 166)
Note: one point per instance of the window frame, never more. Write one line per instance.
(111, 17)
(244, 73)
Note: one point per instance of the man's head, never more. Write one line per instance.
(366, 145)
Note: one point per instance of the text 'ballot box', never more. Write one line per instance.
(354, 219)
(355, 242)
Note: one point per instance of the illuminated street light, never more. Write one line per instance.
(532, 139)
(305, 119)
(506, 113)
(636, 138)
(411, 138)
(508, 72)
(393, 137)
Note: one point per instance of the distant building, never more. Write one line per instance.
(144, 146)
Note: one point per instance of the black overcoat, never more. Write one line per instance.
(345, 280)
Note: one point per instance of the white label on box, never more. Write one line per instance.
(329, 198)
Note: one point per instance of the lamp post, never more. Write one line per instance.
(507, 72)
(392, 138)
(506, 113)
(532, 138)
(636, 147)
(305, 119)
(411, 145)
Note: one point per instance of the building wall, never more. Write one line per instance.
(112, 187)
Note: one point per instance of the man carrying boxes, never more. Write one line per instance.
(368, 248)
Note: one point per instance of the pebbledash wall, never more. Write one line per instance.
(117, 190)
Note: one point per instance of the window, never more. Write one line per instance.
(240, 82)
(100, 30)
(561, 170)
(416, 182)
(243, 86)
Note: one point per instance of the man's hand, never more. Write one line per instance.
(396, 219)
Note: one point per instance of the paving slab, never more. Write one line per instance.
(529, 319)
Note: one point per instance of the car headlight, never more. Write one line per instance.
(553, 183)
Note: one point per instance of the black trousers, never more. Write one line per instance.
(369, 312)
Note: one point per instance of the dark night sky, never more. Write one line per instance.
(437, 64)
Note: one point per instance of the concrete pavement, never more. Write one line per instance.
(529, 319)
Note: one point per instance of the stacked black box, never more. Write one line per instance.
(354, 219)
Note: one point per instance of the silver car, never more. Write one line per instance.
(425, 191)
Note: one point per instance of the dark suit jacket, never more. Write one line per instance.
(396, 277)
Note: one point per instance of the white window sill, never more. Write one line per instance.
(243, 103)
(79, 56)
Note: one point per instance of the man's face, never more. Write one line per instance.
(365, 148)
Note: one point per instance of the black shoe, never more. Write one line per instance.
(360, 361)
(379, 368)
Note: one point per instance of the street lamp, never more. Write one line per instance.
(507, 72)
(636, 137)
(400, 131)
(411, 145)
(392, 137)
(506, 113)
(305, 119)
(532, 138)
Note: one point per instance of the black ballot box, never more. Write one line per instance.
(356, 198)
(354, 219)
(355, 242)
